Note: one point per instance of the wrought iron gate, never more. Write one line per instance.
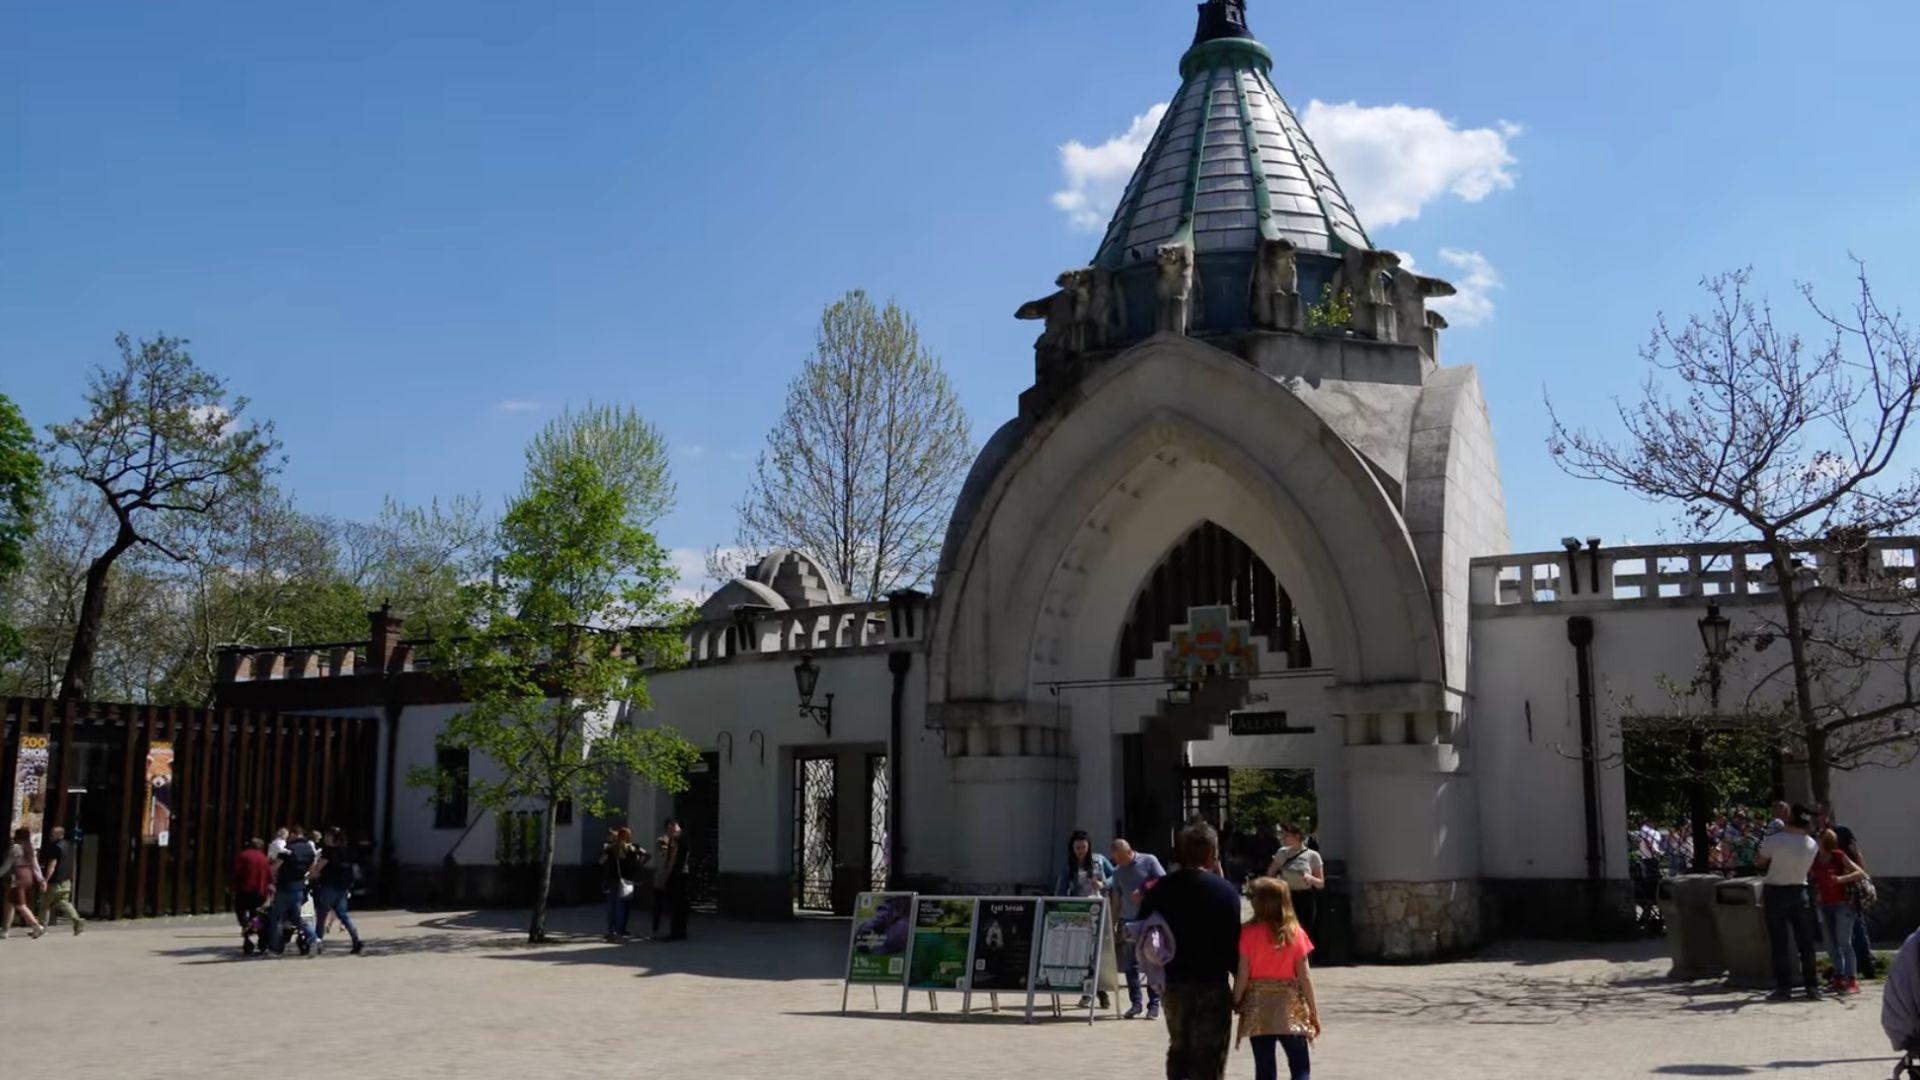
(1205, 792)
(814, 815)
(879, 831)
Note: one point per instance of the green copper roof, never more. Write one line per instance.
(1230, 162)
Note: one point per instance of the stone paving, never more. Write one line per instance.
(456, 995)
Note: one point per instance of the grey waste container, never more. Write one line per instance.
(1743, 933)
(1693, 937)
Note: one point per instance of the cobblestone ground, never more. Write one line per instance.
(456, 995)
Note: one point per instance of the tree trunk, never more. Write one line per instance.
(537, 930)
(1810, 730)
(77, 681)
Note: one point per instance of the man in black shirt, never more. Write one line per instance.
(290, 873)
(56, 866)
(1203, 911)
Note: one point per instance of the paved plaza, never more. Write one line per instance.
(456, 995)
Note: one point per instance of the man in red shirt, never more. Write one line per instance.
(252, 881)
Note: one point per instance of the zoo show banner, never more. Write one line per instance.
(30, 786)
(942, 944)
(1003, 946)
(156, 824)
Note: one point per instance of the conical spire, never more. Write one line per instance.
(1230, 163)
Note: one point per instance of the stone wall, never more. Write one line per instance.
(1415, 920)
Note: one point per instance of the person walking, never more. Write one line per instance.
(20, 879)
(1202, 911)
(1866, 963)
(679, 900)
(290, 874)
(1087, 874)
(1133, 874)
(662, 865)
(333, 889)
(1304, 871)
(252, 880)
(1832, 873)
(56, 869)
(1786, 857)
(1273, 988)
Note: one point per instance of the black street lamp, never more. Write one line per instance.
(1714, 628)
(806, 676)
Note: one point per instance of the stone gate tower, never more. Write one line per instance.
(1238, 358)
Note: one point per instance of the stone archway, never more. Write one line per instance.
(1064, 517)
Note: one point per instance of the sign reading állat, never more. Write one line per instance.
(1264, 722)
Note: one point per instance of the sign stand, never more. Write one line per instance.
(965, 986)
(871, 901)
(1091, 986)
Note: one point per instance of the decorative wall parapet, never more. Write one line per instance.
(1653, 574)
(899, 619)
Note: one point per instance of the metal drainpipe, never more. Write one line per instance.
(389, 862)
(899, 663)
(1580, 636)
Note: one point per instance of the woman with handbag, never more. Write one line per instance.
(1832, 874)
(616, 858)
(19, 878)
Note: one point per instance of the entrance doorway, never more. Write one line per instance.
(698, 809)
(815, 807)
(1246, 806)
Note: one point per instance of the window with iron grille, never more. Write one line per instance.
(450, 800)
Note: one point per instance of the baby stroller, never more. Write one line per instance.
(1645, 876)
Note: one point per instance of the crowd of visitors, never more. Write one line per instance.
(290, 887)
(36, 886)
(624, 864)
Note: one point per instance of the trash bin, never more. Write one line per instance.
(1693, 938)
(1742, 922)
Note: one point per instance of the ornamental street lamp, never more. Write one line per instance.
(1713, 637)
(806, 676)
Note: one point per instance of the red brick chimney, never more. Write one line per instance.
(385, 641)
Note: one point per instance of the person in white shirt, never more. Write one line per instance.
(1786, 856)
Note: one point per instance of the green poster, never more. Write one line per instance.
(942, 942)
(882, 926)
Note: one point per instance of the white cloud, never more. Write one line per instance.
(1476, 279)
(1097, 176)
(516, 405)
(693, 450)
(1392, 160)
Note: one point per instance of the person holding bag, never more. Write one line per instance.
(20, 878)
(616, 858)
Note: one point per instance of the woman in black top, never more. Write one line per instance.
(619, 863)
(333, 885)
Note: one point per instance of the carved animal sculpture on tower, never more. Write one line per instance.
(1275, 301)
(1175, 287)
(1410, 293)
(1365, 271)
(1050, 348)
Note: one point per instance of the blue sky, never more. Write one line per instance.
(412, 232)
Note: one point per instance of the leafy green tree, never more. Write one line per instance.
(552, 656)
(22, 489)
(863, 467)
(630, 453)
(160, 441)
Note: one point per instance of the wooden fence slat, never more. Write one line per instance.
(223, 814)
(127, 827)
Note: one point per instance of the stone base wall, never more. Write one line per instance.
(754, 896)
(491, 886)
(1572, 909)
(1402, 921)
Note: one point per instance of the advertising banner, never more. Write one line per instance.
(882, 930)
(942, 943)
(1069, 945)
(30, 782)
(1003, 946)
(157, 821)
